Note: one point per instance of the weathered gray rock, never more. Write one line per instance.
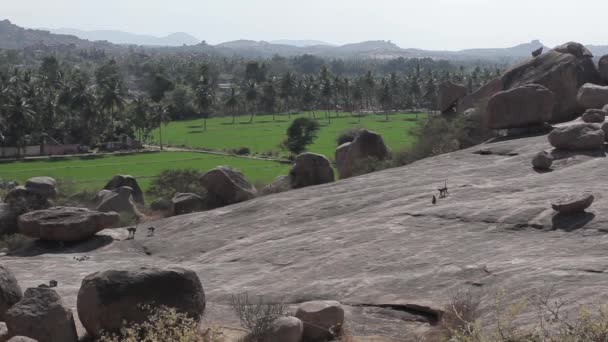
(603, 68)
(126, 180)
(594, 116)
(43, 316)
(66, 224)
(592, 96)
(528, 105)
(279, 184)
(108, 299)
(226, 186)
(542, 161)
(563, 71)
(573, 204)
(323, 319)
(583, 136)
(481, 96)
(605, 129)
(366, 145)
(23, 200)
(449, 94)
(3, 332)
(119, 200)
(310, 169)
(21, 339)
(8, 219)
(10, 292)
(537, 52)
(43, 186)
(186, 203)
(285, 329)
(574, 48)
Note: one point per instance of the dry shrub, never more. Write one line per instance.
(257, 315)
(462, 312)
(14, 242)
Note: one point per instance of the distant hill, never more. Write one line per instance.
(126, 38)
(15, 37)
(300, 43)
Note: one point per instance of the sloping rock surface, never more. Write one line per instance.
(376, 244)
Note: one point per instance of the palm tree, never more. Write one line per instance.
(370, 85)
(19, 116)
(358, 98)
(251, 96)
(232, 102)
(288, 83)
(269, 97)
(112, 97)
(385, 97)
(203, 99)
(139, 119)
(160, 116)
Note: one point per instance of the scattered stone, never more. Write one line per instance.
(592, 96)
(43, 186)
(120, 201)
(10, 292)
(366, 145)
(449, 94)
(186, 203)
(542, 161)
(528, 105)
(582, 136)
(323, 319)
(66, 224)
(108, 299)
(285, 329)
(562, 71)
(161, 204)
(594, 116)
(43, 316)
(226, 186)
(537, 52)
(310, 169)
(119, 181)
(573, 204)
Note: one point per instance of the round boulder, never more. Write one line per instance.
(285, 329)
(10, 292)
(226, 186)
(594, 116)
(66, 224)
(542, 161)
(43, 186)
(574, 48)
(592, 96)
(43, 316)
(21, 339)
(119, 200)
(310, 169)
(366, 145)
(528, 105)
(449, 94)
(323, 319)
(119, 181)
(107, 300)
(582, 136)
(22, 200)
(573, 204)
(186, 203)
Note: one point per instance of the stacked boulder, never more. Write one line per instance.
(449, 94)
(35, 195)
(308, 169)
(120, 181)
(119, 200)
(226, 186)
(592, 96)
(527, 105)
(366, 145)
(580, 136)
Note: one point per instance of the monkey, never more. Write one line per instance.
(151, 231)
(434, 201)
(443, 192)
(131, 233)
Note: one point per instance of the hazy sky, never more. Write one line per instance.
(428, 24)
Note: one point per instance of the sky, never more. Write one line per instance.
(425, 24)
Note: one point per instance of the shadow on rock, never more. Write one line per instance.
(570, 223)
(565, 154)
(40, 247)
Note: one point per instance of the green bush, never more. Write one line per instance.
(169, 182)
(301, 133)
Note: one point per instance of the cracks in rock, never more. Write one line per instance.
(406, 312)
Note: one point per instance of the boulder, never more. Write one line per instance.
(43, 316)
(603, 68)
(161, 204)
(8, 219)
(43, 186)
(10, 292)
(323, 319)
(563, 71)
(479, 97)
(66, 224)
(108, 299)
(573, 204)
(186, 203)
(605, 129)
(119, 181)
(582, 136)
(285, 329)
(119, 200)
(21, 339)
(574, 48)
(280, 184)
(310, 169)
(537, 52)
(366, 145)
(528, 105)
(592, 96)
(594, 116)
(226, 186)
(3, 332)
(542, 161)
(22, 200)
(449, 94)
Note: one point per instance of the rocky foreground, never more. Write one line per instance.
(376, 243)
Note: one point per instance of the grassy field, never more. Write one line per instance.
(93, 173)
(265, 134)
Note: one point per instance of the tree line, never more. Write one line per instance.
(92, 97)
